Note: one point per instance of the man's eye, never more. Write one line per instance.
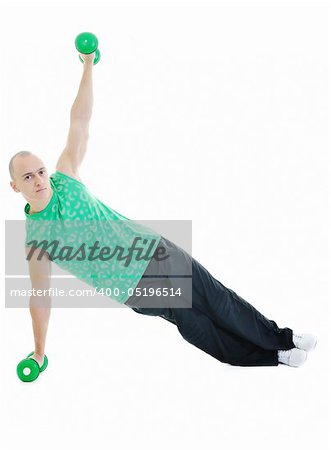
(26, 177)
(42, 171)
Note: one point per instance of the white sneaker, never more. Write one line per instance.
(294, 357)
(304, 341)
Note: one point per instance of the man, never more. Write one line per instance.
(218, 321)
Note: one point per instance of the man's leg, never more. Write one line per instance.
(231, 312)
(199, 330)
(196, 327)
(220, 322)
(227, 309)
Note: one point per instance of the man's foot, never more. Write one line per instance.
(294, 357)
(304, 341)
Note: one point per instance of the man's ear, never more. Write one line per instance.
(13, 185)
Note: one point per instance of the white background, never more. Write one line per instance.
(215, 112)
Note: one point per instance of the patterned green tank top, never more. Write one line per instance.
(74, 222)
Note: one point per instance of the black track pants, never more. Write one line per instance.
(220, 322)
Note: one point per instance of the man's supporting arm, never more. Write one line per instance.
(40, 305)
(40, 317)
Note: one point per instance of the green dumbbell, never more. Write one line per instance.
(28, 369)
(87, 43)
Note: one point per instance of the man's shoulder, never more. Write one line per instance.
(67, 173)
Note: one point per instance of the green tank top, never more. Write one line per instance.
(77, 220)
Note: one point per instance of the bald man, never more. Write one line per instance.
(218, 321)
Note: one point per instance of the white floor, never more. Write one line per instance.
(133, 382)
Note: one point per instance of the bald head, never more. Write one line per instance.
(21, 154)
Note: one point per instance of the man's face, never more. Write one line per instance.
(31, 179)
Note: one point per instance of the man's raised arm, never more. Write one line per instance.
(80, 116)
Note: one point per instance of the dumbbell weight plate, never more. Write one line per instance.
(86, 42)
(28, 370)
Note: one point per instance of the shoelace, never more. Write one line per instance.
(296, 337)
(283, 354)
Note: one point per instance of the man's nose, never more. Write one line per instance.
(37, 179)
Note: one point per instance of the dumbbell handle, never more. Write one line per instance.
(96, 59)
